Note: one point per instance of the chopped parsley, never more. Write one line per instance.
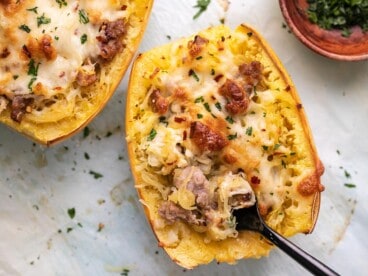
(341, 15)
(347, 175)
(232, 136)
(61, 3)
(43, 20)
(15, 77)
(193, 74)
(202, 6)
(125, 272)
(350, 185)
(229, 119)
(83, 17)
(249, 131)
(264, 147)
(33, 10)
(24, 28)
(218, 106)
(213, 72)
(207, 107)
(162, 120)
(33, 68)
(71, 213)
(96, 175)
(199, 100)
(86, 156)
(276, 146)
(152, 135)
(86, 132)
(83, 38)
(32, 80)
(199, 116)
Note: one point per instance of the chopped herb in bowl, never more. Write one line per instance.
(338, 14)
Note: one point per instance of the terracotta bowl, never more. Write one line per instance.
(329, 43)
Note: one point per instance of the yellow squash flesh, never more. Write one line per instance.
(52, 126)
(299, 202)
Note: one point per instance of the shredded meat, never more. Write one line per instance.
(196, 182)
(86, 78)
(205, 138)
(173, 212)
(238, 99)
(195, 46)
(19, 106)
(47, 48)
(159, 103)
(4, 53)
(110, 36)
(252, 73)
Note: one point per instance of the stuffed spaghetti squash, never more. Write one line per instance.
(60, 61)
(213, 122)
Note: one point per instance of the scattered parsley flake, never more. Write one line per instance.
(71, 213)
(15, 77)
(33, 68)
(125, 272)
(347, 175)
(264, 147)
(43, 20)
(96, 175)
(32, 80)
(83, 17)
(152, 135)
(83, 38)
(33, 10)
(218, 106)
(25, 28)
(338, 152)
(199, 100)
(193, 74)
(207, 107)
(61, 3)
(86, 132)
(276, 146)
(349, 185)
(249, 131)
(86, 156)
(213, 72)
(69, 229)
(199, 116)
(229, 119)
(202, 6)
(232, 136)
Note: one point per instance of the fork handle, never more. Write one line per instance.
(307, 261)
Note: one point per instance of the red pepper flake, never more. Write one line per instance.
(185, 135)
(288, 88)
(255, 180)
(124, 7)
(299, 106)
(179, 119)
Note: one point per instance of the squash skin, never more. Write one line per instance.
(99, 93)
(247, 244)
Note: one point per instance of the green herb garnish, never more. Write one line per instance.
(61, 3)
(202, 6)
(83, 38)
(232, 136)
(350, 185)
(229, 119)
(199, 100)
(24, 28)
(71, 213)
(43, 20)
(33, 10)
(193, 74)
(96, 175)
(249, 131)
(341, 15)
(83, 17)
(86, 132)
(152, 135)
(218, 106)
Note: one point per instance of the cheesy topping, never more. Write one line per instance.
(50, 49)
(217, 128)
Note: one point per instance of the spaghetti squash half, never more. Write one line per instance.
(60, 61)
(213, 123)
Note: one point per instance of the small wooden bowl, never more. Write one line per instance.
(329, 43)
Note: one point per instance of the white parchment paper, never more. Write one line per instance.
(109, 235)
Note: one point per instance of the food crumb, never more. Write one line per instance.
(100, 227)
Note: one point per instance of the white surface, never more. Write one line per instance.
(38, 186)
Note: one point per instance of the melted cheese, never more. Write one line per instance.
(267, 143)
(73, 38)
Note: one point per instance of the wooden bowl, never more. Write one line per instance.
(329, 43)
